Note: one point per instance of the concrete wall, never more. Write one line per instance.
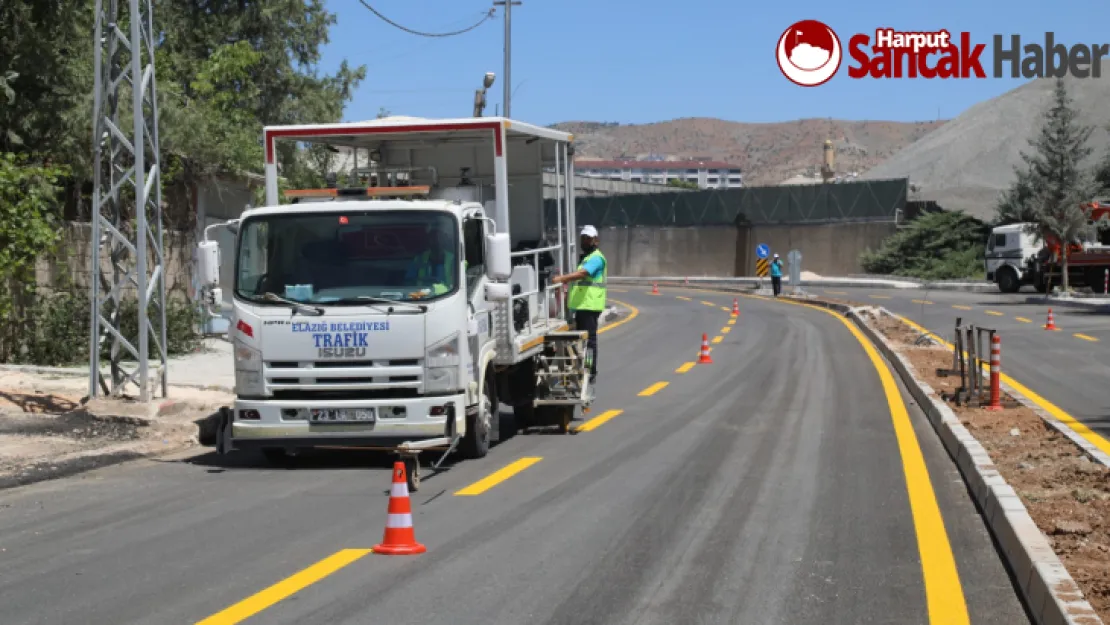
(639, 252)
(827, 249)
(831, 249)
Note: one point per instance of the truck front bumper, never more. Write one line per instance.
(284, 423)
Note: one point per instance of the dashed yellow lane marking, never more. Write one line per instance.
(685, 367)
(618, 290)
(920, 301)
(836, 292)
(632, 314)
(731, 322)
(502, 474)
(653, 389)
(597, 421)
(298, 581)
(879, 296)
(1085, 337)
(961, 307)
(726, 329)
(994, 313)
(718, 339)
(708, 303)
(1024, 320)
(685, 299)
(726, 309)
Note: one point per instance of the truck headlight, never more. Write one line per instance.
(442, 366)
(248, 370)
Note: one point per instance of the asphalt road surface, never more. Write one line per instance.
(1069, 368)
(788, 482)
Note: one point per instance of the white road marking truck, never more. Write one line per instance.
(395, 311)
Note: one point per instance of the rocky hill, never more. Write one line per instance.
(768, 153)
(966, 163)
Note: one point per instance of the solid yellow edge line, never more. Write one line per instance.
(1085, 337)
(685, 367)
(944, 594)
(1077, 426)
(633, 313)
(653, 389)
(597, 421)
(495, 478)
(298, 581)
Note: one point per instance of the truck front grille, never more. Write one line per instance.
(390, 377)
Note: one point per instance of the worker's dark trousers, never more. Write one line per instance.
(587, 320)
(776, 284)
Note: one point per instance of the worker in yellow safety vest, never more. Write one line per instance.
(587, 293)
(434, 268)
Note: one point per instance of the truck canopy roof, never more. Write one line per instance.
(352, 206)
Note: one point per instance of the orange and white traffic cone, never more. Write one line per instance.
(703, 358)
(1051, 325)
(654, 288)
(996, 374)
(735, 307)
(399, 539)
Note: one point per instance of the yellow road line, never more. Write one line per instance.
(836, 292)
(879, 296)
(961, 307)
(1085, 337)
(726, 309)
(633, 313)
(653, 389)
(994, 313)
(298, 581)
(498, 476)
(1024, 320)
(1077, 426)
(718, 339)
(618, 290)
(685, 367)
(597, 421)
(708, 303)
(731, 322)
(687, 299)
(726, 329)
(944, 594)
(920, 301)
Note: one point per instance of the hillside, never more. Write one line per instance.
(768, 153)
(966, 163)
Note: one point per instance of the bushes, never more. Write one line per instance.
(54, 330)
(935, 246)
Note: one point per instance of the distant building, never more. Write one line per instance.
(706, 174)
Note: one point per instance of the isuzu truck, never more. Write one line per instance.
(398, 305)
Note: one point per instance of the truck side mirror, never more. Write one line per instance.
(208, 263)
(498, 257)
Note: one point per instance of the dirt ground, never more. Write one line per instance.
(1066, 493)
(46, 432)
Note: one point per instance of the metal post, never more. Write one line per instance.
(507, 87)
(131, 162)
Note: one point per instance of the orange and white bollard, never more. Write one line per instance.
(996, 374)
(655, 288)
(703, 357)
(735, 307)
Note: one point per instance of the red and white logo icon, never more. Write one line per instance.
(809, 53)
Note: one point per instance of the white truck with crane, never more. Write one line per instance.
(397, 311)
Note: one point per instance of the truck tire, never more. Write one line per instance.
(1008, 281)
(479, 426)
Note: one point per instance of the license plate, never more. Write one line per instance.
(343, 415)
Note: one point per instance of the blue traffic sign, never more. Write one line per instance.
(762, 250)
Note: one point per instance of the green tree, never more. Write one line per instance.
(934, 246)
(1059, 184)
(1015, 205)
(682, 184)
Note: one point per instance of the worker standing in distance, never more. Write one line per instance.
(776, 275)
(587, 293)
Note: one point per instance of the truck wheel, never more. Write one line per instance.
(480, 425)
(1008, 281)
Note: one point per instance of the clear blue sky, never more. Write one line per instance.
(647, 61)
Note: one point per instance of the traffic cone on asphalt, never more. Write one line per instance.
(735, 307)
(703, 358)
(399, 539)
(1051, 325)
(654, 288)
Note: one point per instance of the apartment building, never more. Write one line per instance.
(706, 174)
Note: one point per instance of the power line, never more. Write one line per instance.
(385, 19)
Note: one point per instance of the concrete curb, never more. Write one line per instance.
(1100, 306)
(863, 283)
(1050, 592)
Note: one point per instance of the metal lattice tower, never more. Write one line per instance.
(127, 203)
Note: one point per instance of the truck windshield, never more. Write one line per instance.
(349, 258)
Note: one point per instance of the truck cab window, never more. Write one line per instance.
(474, 238)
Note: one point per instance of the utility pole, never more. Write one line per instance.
(127, 168)
(508, 84)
